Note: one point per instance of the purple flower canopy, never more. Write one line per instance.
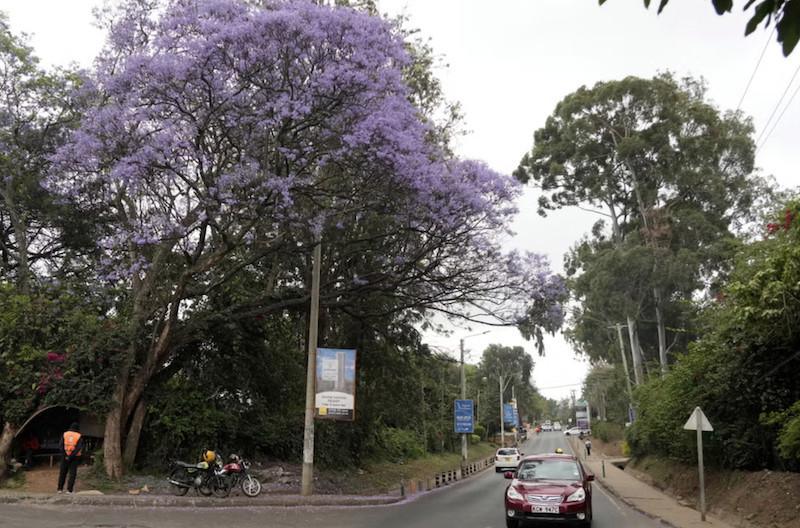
(217, 106)
(252, 121)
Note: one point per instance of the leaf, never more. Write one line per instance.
(762, 10)
(789, 26)
(662, 5)
(723, 6)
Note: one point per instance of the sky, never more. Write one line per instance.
(509, 62)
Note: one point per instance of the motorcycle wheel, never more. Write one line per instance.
(179, 475)
(222, 487)
(251, 486)
(206, 488)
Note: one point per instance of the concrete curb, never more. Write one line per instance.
(155, 501)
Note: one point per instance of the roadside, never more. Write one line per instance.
(743, 499)
(373, 483)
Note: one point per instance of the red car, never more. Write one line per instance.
(549, 487)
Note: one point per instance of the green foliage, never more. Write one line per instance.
(608, 431)
(474, 439)
(788, 424)
(399, 444)
(480, 431)
(784, 13)
(742, 372)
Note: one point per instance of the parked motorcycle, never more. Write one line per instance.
(235, 473)
(202, 476)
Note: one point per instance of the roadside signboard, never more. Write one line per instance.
(336, 384)
(508, 414)
(698, 422)
(462, 417)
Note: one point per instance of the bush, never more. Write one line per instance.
(607, 431)
(474, 439)
(480, 431)
(399, 444)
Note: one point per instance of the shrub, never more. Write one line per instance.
(480, 431)
(399, 444)
(474, 439)
(607, 431)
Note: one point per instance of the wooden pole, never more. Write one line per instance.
(307, 482)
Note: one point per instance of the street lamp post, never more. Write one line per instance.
(464, 443)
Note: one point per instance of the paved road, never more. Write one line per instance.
(473, 503)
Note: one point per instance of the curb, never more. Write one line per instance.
(285, 501)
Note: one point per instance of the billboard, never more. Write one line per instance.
(508, 414)
(462, 417)
(335, 384)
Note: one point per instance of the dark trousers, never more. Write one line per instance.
(70, 466)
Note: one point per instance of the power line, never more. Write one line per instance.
(779, 117)
(753, 75)
(778, 104)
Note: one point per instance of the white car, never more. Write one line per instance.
(576, 431)
(557, 426)
(506, 458)
(547, 427)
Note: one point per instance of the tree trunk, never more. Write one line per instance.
(636, 351)
(112, 441)
(6, 438)
(662, 334)
(134, 433)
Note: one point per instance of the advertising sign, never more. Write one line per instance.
(508, 414)
(336, 384)
(462, 416)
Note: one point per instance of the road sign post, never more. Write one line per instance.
(698, 422)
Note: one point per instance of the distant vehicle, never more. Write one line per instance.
(549, 487)
(547, 426)
(576, 431)
(557, 426)
(538, 429)
(506, 458)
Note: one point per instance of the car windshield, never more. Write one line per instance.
(506, 452)
(549, 470)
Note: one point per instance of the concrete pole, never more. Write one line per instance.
(502, 425)
(307, 484)
(464, 448)
(624, 360)
(699, 426)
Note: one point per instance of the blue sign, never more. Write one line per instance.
(462, 416)
(508, 414)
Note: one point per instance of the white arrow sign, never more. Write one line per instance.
(698, 420)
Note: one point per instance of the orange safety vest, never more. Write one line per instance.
(71, 439)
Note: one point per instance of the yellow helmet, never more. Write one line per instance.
(559, 451)
(209, 456)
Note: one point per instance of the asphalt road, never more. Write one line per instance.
(473, 503)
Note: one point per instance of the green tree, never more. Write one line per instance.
(665, 169)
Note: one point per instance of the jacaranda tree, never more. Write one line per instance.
(229, 138)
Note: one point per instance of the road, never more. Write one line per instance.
(473, 503)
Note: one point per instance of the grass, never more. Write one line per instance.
(14, 482)
(385, 477)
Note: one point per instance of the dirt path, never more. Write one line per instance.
(45, 480)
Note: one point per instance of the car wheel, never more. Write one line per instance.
(512, 523)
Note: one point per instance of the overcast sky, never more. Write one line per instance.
(509, 63)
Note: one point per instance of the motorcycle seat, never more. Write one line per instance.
(188, 465)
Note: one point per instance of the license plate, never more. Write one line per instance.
(544, 508)
(509, 459)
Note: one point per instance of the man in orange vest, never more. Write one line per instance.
(71, 447)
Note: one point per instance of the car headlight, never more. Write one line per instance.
(513, 494)
(579, 495)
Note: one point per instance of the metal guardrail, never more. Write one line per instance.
(445, 478)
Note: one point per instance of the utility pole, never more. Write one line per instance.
(502, 425)
(464, 448)
(619, 326)
(307, 486)
(464, 442)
